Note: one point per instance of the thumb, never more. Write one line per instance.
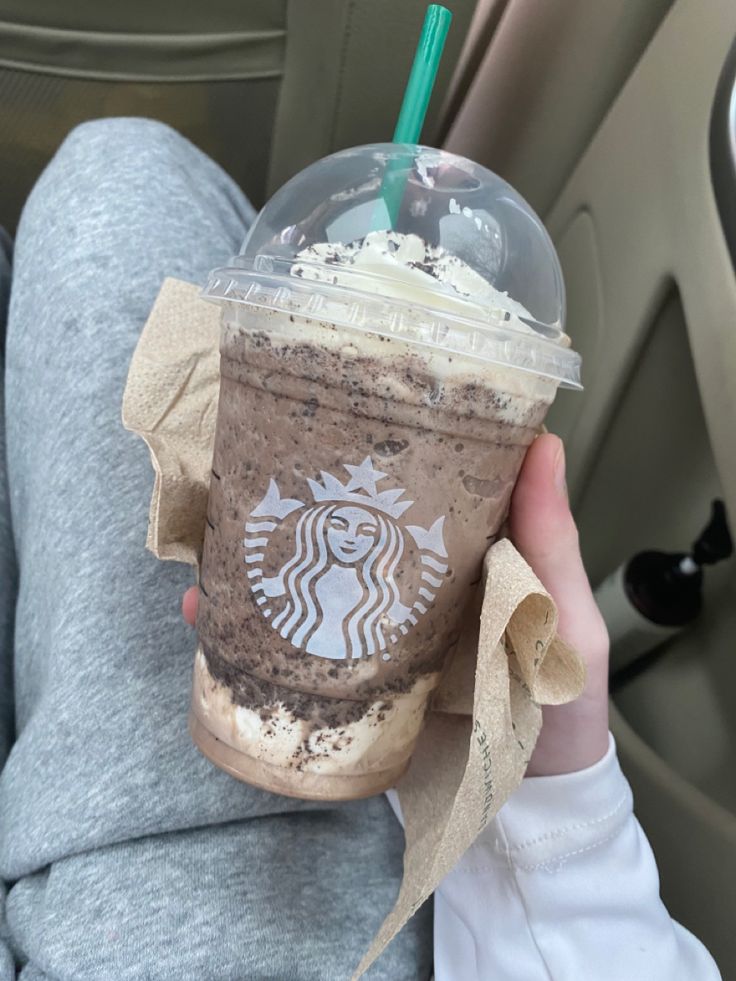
(189, 604)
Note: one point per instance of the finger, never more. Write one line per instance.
(189, 605)
(542, 528)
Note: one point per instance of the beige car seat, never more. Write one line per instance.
(264, 86)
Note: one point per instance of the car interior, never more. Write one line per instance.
(616, 120)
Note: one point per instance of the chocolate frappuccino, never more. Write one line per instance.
(364, 460)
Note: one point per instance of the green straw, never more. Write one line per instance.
(414, 105)
(423, 74)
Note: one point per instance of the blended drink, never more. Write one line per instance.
(361, 470)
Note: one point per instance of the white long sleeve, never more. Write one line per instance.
(563, 885)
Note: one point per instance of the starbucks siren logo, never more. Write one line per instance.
(336, 596)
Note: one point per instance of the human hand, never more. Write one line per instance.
(573, 736)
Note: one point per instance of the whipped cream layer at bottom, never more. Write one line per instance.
(380, 740)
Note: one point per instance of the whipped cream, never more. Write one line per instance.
(383, 737)
(404, 267)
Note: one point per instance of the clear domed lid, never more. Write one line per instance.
(412, 242)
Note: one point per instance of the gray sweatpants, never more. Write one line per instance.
(126, 855)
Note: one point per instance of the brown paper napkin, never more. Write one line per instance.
(485, 716)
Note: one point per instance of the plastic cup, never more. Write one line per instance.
(379, 388)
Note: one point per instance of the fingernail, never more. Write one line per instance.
(560, 482)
